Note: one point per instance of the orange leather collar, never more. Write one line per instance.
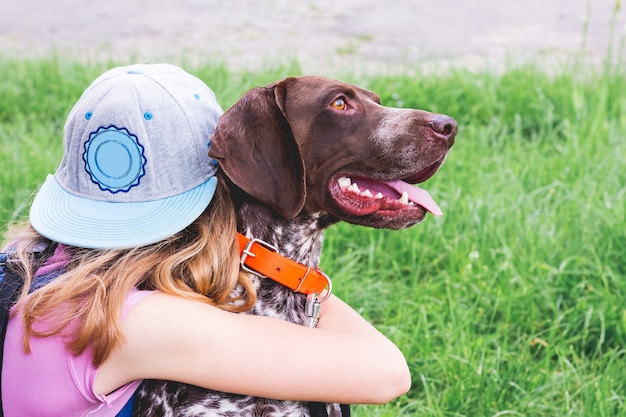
(262, 258)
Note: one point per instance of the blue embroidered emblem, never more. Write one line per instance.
(114, 158)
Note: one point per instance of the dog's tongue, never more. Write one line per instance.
(416, 195)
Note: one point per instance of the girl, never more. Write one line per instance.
(139, 253)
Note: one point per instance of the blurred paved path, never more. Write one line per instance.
(324, 35)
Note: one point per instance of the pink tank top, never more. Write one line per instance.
(50, 381)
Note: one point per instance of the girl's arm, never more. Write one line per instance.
(344, 360)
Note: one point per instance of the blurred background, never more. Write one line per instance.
(323, 36)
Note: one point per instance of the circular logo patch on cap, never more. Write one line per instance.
(114, 158)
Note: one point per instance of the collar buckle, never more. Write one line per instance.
(247, 252)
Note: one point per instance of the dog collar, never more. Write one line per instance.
(261, 258)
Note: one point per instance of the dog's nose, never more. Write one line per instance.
(444, 127)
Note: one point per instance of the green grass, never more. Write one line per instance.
(511, 304)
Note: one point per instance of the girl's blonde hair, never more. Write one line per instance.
(199, 263)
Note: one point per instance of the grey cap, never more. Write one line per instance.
(135, 167)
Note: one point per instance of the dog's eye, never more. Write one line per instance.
(339, 104)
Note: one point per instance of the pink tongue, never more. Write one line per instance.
(416, 195)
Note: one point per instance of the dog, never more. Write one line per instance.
(300, 155)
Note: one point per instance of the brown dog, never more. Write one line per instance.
(299, 155)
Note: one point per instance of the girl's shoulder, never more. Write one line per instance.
(134, 297)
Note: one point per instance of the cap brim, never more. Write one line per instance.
(66, 218)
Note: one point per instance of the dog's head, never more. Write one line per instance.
(310, 144)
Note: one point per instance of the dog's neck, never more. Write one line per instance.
(299, 239)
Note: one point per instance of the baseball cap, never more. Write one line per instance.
(135, 166)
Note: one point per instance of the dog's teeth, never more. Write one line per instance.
(405, 198)
(378, 196)
(367, 193)
(344, 182)
(354, 188)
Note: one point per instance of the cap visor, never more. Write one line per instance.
(76, 221)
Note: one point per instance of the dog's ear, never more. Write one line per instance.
(256, 149)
